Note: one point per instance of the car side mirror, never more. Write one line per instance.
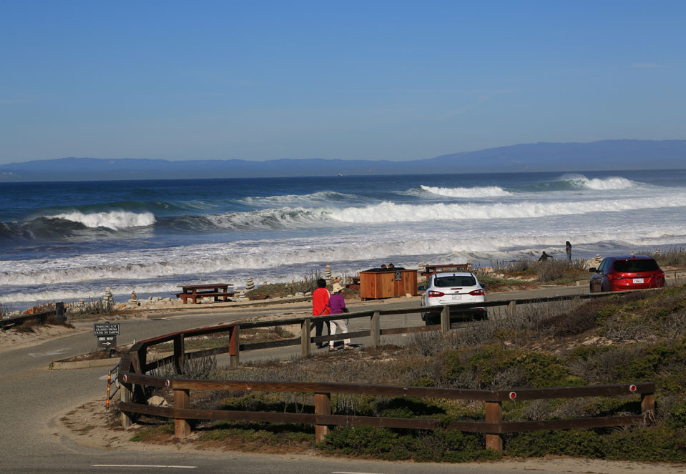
(593, 270)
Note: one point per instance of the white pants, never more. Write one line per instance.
(342, 326)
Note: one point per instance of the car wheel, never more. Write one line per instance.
(431, 320)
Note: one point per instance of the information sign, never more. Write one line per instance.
(106, 329)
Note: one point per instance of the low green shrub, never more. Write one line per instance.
(677, 416)
(393, 445)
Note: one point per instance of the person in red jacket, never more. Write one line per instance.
(320, 307)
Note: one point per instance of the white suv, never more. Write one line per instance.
(452, 289)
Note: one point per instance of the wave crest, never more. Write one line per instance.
(115, 220)
(479, 192)
(615, 182)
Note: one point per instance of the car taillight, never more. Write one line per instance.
(435, 294)
(477, 293)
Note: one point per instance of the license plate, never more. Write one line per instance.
(457, 297)
(638, 280)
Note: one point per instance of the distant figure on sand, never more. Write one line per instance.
(544, 256)
(337, 305)
(320, 307)
(568, 249)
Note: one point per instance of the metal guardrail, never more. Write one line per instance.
(134, 367)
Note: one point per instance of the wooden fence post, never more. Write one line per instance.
(305, 330)
(648, 405)
(445, 319)
(125, 396)
(375, 329)
(494, 414)
(511, 309)
(182, 401)
(179, 353)
(234, 346)
(322, 406)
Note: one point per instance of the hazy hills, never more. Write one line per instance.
(601, 155)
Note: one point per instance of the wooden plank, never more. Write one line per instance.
(322, 407)
(305, 344)
(43, 316)
(579, 423)
(578, 392)
(125, 397)
(182, 401)
(475, 427)
(141, 379)
(648, 404)
(375, 329)
(494, 416)
(179, 353)
(445, 320)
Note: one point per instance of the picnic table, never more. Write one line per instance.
(214, 290)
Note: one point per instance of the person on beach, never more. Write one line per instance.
(320, 307)
(337, 306)
(544, 257)
(568, 249)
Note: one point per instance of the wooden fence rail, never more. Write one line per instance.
(40, 317)
(134, 368)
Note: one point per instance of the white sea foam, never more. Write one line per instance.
(582, 181)
(112, 220)
(164, 268)
(478, 192)
(391, 212)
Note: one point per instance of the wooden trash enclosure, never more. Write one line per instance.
(380, 283)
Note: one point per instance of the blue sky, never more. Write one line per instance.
(372, 79)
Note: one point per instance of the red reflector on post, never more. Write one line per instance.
(632, 388)
(513, 395)
(167, 383)
(124, 378)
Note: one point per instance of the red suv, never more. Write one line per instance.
(635, 272)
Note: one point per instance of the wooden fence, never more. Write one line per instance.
(40, 317)
(134, 376)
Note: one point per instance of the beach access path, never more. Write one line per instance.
(35, 400)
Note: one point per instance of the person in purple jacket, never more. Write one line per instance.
(337, 306)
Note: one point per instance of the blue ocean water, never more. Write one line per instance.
(70, 240)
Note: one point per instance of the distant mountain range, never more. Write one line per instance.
(601, 155)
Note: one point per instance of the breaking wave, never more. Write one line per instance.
(115, 220)
(580, 181)
(391, 212)
(479, 192)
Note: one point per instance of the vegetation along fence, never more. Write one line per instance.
(134, 377)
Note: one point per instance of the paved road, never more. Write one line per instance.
(33, 399)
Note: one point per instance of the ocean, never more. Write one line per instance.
(70, 240)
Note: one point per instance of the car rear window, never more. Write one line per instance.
(635, 266)
(445, 282)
